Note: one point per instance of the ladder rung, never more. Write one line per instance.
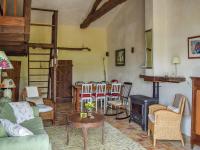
(38, 75)
(41, 24)
(38, 61)
(43, 92)
(38, 81)
(42, 9)
(38, 68)
(39, 53)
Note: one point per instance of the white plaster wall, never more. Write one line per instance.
(126, 31)
(173, 22)
(148, 14)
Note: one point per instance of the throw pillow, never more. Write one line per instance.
(35, 100)
(174, 109)
(14, 129)
(2, 132)
(22, 111)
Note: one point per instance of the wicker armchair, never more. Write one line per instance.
(165, 124)
(47, 115)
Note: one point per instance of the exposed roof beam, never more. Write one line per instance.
(95, 14)
(95, 5)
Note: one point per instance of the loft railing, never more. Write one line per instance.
(1, 10)
(4, 6)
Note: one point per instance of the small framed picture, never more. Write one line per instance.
(120, 57)
(194, 47)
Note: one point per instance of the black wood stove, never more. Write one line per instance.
(139, 109)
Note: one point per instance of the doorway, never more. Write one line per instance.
(64, 90)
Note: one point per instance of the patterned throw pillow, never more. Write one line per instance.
(14, 129)
(22, 111)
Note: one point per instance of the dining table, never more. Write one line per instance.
(77, 93)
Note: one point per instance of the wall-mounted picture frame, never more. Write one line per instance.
(194, 47)
(120, 57)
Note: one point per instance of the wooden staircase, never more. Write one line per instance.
(41, 59)
(15, 30)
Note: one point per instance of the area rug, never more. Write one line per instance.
(114, 139)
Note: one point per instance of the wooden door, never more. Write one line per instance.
(15, 75)
(64, 81)
(195, 127)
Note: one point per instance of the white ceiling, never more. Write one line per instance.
(71, 12)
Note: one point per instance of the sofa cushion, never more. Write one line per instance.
(14, 129)
(2, 132)
(6, 112)
(33, 125)
(32, 142)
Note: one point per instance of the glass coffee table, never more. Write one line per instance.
(75, 121)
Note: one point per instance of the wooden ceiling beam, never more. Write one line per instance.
(95, 5)
(96, 14)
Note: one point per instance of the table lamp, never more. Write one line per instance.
(175, 61)
(8, 84)
(4, 62)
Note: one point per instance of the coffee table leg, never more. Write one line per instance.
(85, 137)
(103, 134)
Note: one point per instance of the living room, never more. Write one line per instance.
(92, 48)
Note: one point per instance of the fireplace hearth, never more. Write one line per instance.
(140, 108)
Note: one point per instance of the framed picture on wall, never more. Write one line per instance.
(120, 57)
(194, 47)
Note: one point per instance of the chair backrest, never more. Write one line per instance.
(101, 88)
(79, 82)
(116, 88)
(32, 91)
(114, 81)
(86, 88)
(126, 89)
(104, 82)
(179, 102)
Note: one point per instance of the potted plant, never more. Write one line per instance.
(89, 107)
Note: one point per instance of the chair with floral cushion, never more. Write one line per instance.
(46, 106)
(165, 122)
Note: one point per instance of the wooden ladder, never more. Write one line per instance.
(38, 70)
(41, 66)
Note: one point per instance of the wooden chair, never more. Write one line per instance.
(100, 95)
(121, 105)
(165, 122)
(86, 94)
(45, 114)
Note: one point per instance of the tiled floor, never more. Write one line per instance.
(133, 131)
